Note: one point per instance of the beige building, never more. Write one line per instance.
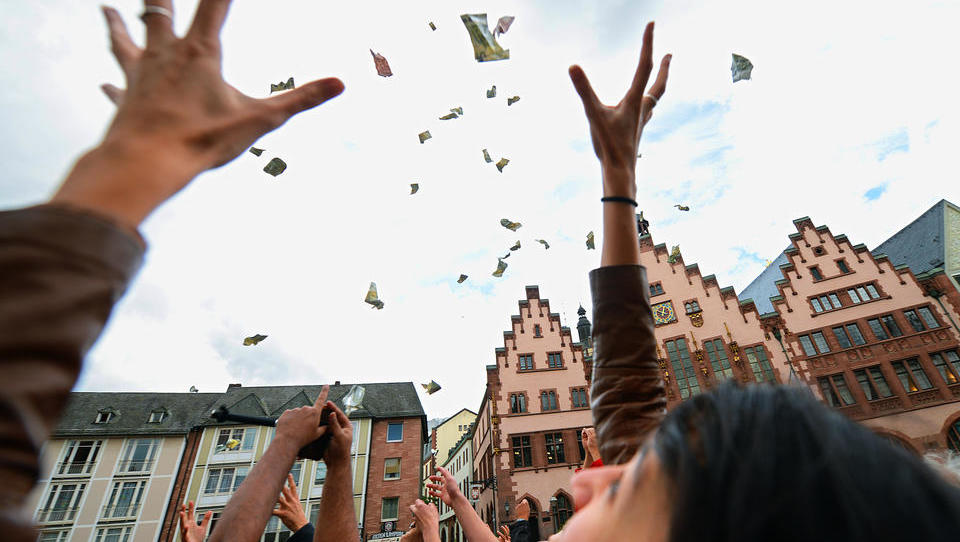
(109, 468)
(443, 438)
(460, 464)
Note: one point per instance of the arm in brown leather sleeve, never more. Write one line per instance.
(61, 271)
(627, 394)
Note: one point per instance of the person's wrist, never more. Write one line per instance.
(286, 443)
(619, 182)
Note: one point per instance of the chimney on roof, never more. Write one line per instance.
(337, 383)
(231, 386)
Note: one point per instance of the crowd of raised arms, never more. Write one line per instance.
(756, 463)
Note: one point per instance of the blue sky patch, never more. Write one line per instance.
(875, 192)
(898, 141)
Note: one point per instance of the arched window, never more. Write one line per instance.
(564, 510)
(953, 436)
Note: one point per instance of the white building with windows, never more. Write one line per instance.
(109, 468)
(460, 464)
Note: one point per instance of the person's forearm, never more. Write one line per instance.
(620, 240)
(337, 519)
(474, 529)
(251, 506)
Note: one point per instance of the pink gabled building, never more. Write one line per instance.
(527, 433)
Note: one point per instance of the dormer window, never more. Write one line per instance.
(537, 331)
(815, 272)
(104, 416)
(157, 416)
(842, 266)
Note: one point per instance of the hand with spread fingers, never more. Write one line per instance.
(427, 520)
(177, 117)
(504, 534)
(616, 130)
(444, 486)
(189, 530)
(289, 509)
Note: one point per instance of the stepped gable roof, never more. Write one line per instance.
(920, 244)
(131, 413)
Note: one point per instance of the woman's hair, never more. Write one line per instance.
(771, 463)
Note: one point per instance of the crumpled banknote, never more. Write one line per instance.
(545, 244)
(383, 68)
(674, 254)
(461, 279)
(590, 245)
(256, 151)
(485, 46)
(451, 115)
(414, 188)
(741, 68)
(253, 340)
(275, 167)
(512, 226)
(457, 110)
(424, 136)
(353, 399)
(502, 163)
(432, 387)
(505, 256)
(372, 297)
(282, 86)
(432, 26)
(501, 267)
(516, 246)
(513, 100)
(486, 156)
(503, 24)
(682, 207)
(492, 93)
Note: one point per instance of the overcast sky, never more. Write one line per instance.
(851, 118)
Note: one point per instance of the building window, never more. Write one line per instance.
(564, 510)
(104, 416)
(914, 320)
(718, 359)
(807, 345)
(320, 475)
(234, 439)
(853, 330)
(224, 481)
(555, 360)
(914, 379)
(872, 291)
(583, 453)
(62, 503)
(297, 471)
(762, 371)
(835, 390)
(815, 272)
(518, 403)
(820, 341)
(892, 328)
(953, 437)
(395, 432)
(537, 332)
(120, 533)
(872, 382)
(525, 362)
(139, 455)
(853, 296)
(522, 454)
(53, 536)
(554, 442)
(124, 501)
(877, 329)
(157, 416)
(816, 305)
(656, 289)
(548, 400)
(579, 398)
(948, 364)
(841, 336)
(213, 519)
(842, 266)
(276, 531)
(683, 371)
(79, 457)
(928, 317)
(390, 509)
(391, 468)
(692, 307)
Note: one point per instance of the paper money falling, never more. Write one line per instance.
(253, 340)
(353, 399)
(424, 136)
(372, 297)
(501, 267)
(545, 244)
(432, 26)
(449, 116)
(486, 156)
(674, 254)
(505, 256)
(502, 163)
(485, 47)
(457, 110)
(256, 151)
(492, 93)
(682, 207)
(383, 68)
(512, 226)
(513, 100)
(516, 246)
(741, 68)
(432, 387)
(414, 188)
(275, 167)
(503, 24)
(282, 86)
(590, 245)
(461, 279)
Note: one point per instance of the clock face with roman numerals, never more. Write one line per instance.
(663, 313)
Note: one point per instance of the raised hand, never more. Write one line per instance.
(427, 520)
(616, 130)
(504, 534)
(444, 486)
(177, 116)
(289, 510)
(523, 509)
(338, 451)
(302, 425)
(189, 530)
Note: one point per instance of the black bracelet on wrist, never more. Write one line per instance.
(619, 199)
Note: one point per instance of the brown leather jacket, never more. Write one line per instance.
(61, 271)
(627, 393)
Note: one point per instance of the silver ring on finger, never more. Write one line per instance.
(156, 10)
(652, 97)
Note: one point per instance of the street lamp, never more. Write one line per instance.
(779, 338)
(506, 510)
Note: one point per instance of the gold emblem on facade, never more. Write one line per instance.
(696, 319)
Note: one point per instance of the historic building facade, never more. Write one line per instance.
(459, 461)
(526, 441)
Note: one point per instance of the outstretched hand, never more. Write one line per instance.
(444, 486)
(177, 116)
(189, 530)
(616, 130)
(289, 509)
